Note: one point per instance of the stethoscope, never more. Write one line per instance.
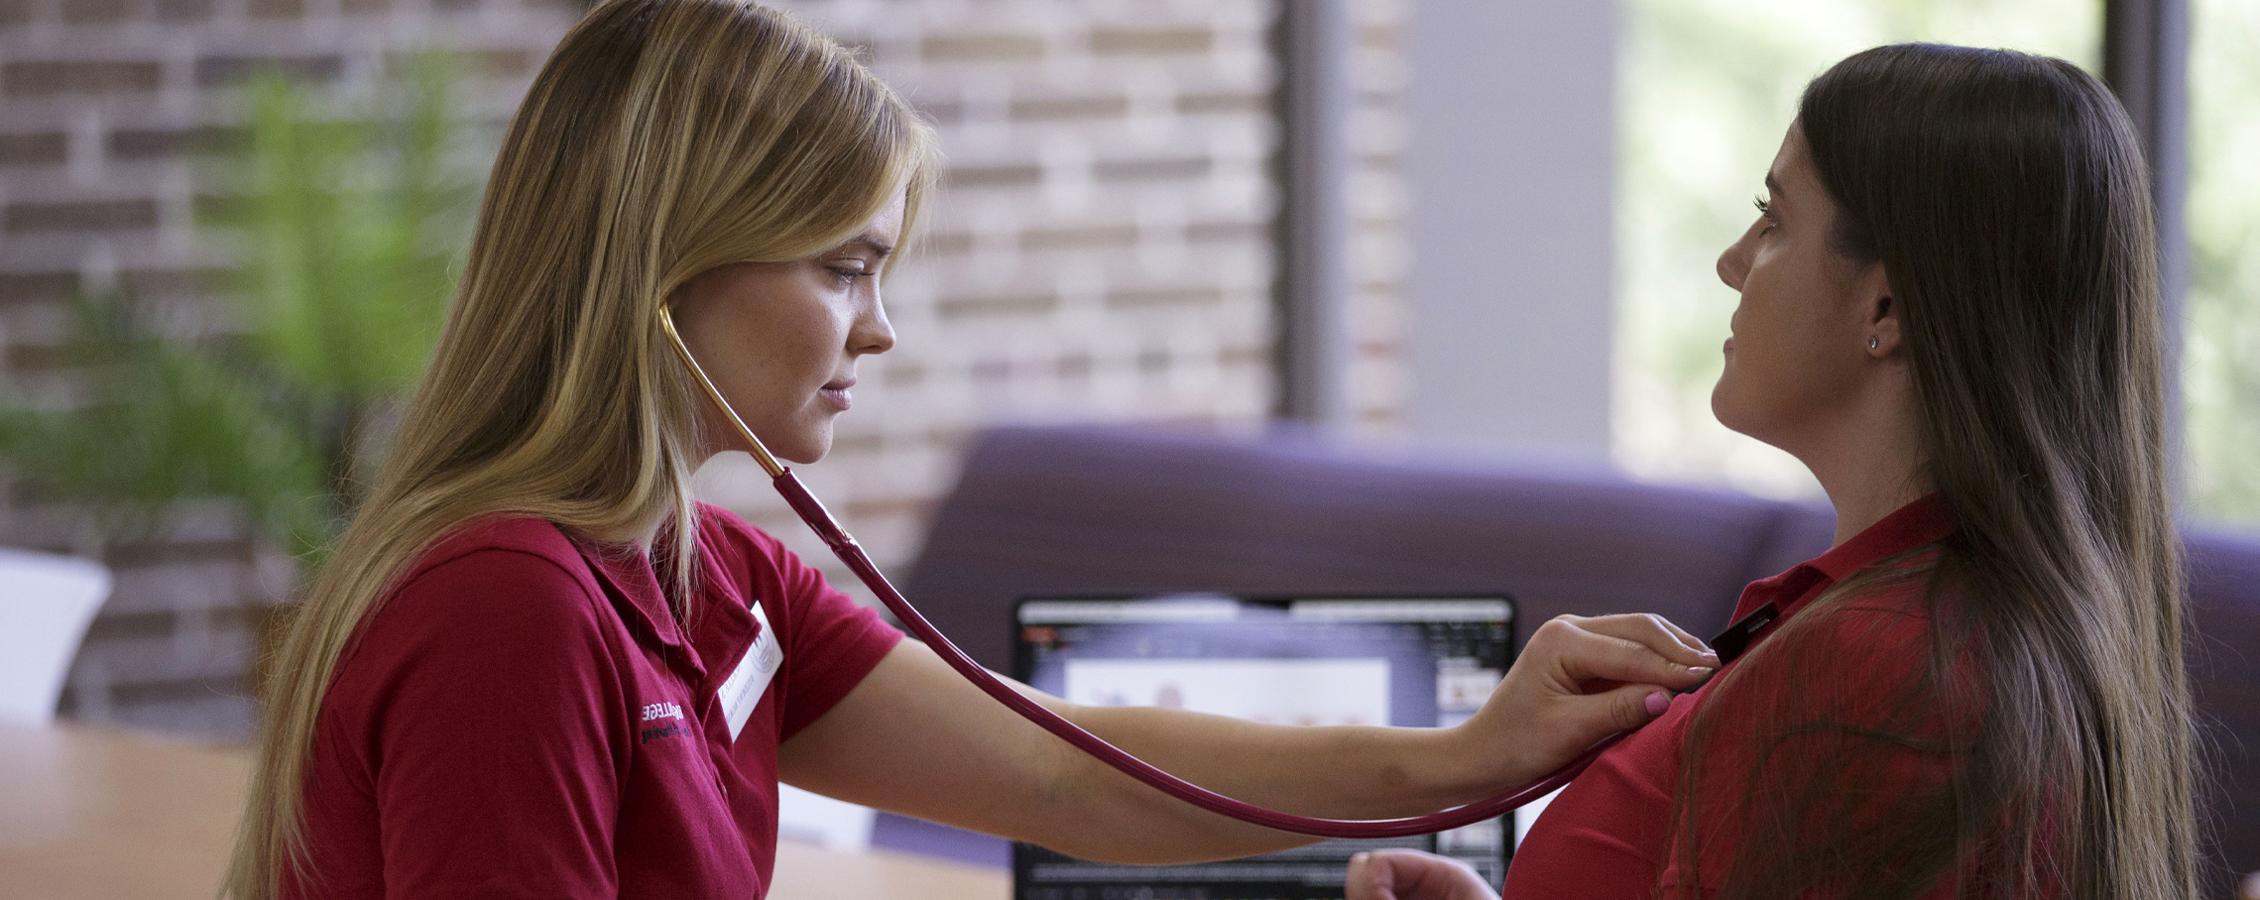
(851, 553)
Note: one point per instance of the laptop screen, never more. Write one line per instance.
(1413, 660)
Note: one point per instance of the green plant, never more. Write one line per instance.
(342, 231)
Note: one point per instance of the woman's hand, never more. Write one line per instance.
(1577, 681)
(1412, 875)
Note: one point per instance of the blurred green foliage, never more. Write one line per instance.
(2221, 320)
(1708, 86)
(343, 230)
(1706, 90)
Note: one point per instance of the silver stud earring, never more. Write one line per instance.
(1873, 342)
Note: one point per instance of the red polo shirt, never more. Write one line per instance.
(523, 717)
(1608, 835)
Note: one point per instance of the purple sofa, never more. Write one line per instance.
(1067, 510)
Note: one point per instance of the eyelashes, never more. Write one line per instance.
(1764, 208)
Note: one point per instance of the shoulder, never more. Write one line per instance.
(501, 588)
(497, 623)
(1887, 609)
(492, 539)
(517, 563)
(756, 558)
(1873, 651)
(726, 530)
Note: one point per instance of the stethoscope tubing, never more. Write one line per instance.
(851, 553)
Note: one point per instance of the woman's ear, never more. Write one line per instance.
(1882, 315)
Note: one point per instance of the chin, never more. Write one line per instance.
(804, 449)
(1750, 417)
(1722, 408)
(799, 456)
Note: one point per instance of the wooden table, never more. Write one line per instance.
(100, 813)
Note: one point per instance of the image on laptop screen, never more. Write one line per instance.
(1413, 660)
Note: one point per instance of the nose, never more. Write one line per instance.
(1734, 264)
(872, 332)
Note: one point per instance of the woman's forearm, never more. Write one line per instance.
(1576, 680)
(915, 738)
(1336, 772)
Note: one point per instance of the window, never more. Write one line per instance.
(2221, 317)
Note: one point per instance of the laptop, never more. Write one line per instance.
(1418, 660)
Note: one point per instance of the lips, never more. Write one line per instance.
(836, 393)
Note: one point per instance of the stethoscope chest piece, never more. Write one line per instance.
(1736, 639)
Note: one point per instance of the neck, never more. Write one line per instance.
(649, 534)
(1863, 498)
(1871, 465)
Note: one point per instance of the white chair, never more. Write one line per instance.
(46, 604)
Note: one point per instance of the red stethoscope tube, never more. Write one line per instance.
(845, 547)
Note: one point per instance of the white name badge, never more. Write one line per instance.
(742, 691)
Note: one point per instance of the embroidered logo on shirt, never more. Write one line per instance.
(667, 711)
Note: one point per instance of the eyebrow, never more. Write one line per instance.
(878, 250)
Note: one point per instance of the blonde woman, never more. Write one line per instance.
(534, 667)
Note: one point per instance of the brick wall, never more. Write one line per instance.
(103, 106)
(1379, 71)
(1104, 249)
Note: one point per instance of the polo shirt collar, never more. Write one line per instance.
(724, 623)
(628, 576)
(1925, 521)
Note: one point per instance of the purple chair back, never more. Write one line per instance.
(2224, 669)
(1123, 510)
(1077, 510)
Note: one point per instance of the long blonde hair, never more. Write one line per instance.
(661, 139)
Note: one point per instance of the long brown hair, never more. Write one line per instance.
(2009, 204)
(661, 139)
